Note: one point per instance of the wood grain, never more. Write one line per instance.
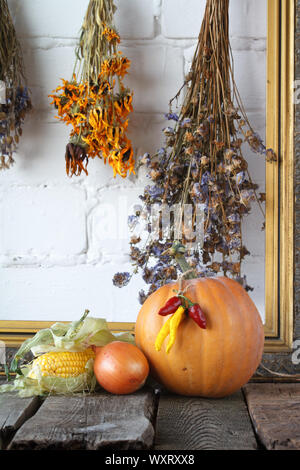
(92, 422)
(14, 411)
(297, 184)
(275, 412)
(185, 423)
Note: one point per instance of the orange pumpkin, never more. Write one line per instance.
(214, 362)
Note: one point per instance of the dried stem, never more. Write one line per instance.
(15, 101)
(202, 161)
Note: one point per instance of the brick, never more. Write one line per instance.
(41, 160)
(134, 19)
(63, 293)
(41, 154)
(101, 176)
(254, 269)
(155, 76)
(145, 132)
(108, 224)
(256, 162)
(188, 57)
(42, 221)
(53, 19)
(253, 236)
(46, 63)
(237, 44)
(250, 77)
(248, 18)
(181, 19)
(249, 74)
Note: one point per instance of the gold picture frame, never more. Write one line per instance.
(279, 192)
(280, 177)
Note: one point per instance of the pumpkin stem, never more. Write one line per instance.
(177, 251)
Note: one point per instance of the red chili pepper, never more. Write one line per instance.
(170, 307)
(196, 313)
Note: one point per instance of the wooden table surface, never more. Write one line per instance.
(260, 416)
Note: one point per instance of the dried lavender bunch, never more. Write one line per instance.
(14, 95)
(202, 163)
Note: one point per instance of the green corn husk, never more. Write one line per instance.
(75, 337)
(28, 387)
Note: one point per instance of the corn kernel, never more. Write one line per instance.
(62, 364)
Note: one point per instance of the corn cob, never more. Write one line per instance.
(61, 363)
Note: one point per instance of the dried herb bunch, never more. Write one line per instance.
(14, 95)
(202, 163)
(95, 101)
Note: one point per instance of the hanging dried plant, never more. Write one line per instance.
(14, 95)
(202, 163)
(95, 101)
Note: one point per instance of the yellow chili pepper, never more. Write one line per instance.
(163, 333)
(170, 327)
(175, 321)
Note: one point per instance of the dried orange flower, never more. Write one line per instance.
(97, 104)
(116, 65)
(111, 34)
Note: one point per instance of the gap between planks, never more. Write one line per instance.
(275, 412)
(14, 412)
(182, 423)
(90, 422)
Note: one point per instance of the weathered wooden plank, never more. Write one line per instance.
(198, 423)
(14, 411)
(275, 412)
(92, 422)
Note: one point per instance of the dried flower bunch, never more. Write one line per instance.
(14, 95)
(202, 163)
(95, 101)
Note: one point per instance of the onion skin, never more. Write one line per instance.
(121, 368)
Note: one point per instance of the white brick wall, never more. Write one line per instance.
(181, 18)
(41, 220)
(58, 244)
